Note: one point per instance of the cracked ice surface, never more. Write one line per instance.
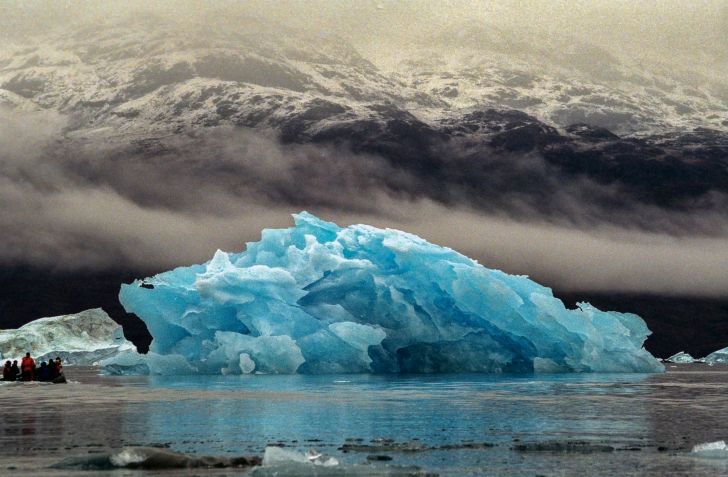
(318, 298)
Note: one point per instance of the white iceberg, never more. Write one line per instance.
(717, 357)
(317, 298)
(78, 339)
(681, 357)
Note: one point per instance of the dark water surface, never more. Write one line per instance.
(447, 424)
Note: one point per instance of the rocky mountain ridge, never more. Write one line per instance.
(495, 102)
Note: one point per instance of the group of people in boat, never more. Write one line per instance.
(52, 371)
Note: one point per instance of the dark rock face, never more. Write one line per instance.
(590, 132)
(669, 170)
(523, 138)
(665, 171)
(228, 67)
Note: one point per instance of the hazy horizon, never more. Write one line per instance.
(664, 30)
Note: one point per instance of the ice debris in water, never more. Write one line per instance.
(275, 455)
(82, 338)
(681, 357)
(717, 449)
(318, 298)
(279, 462)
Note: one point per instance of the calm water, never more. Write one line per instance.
(447, 425)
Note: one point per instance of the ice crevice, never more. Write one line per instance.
(318, 298)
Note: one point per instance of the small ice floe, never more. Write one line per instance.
(280, 462)
(127, 456)
(681, 358)
(275, 455)
(716, 449)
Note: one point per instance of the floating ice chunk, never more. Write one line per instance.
(717, 449)
(318, 298)
(321, 459)
(681, 357)
(276, 455)
(717, 357)
(82, 338)
(127, 456)
(710, 446)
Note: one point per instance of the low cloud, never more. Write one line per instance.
(603, 258)
(80, 204)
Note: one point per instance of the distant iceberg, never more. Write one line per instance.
(717, 357)
(681, 357)
(317, 298)
(82, 339)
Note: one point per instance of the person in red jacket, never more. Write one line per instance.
(27, 367)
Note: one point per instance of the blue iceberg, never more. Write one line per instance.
(318, 298)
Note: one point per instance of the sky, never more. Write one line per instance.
(78, 210)
(662, 27)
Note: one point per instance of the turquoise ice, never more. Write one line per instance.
(318, 298)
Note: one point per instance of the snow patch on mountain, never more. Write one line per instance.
(560, 81)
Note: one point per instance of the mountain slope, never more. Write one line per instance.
(561, 80)
(155, 87)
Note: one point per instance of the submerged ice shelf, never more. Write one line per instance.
(318, 298)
